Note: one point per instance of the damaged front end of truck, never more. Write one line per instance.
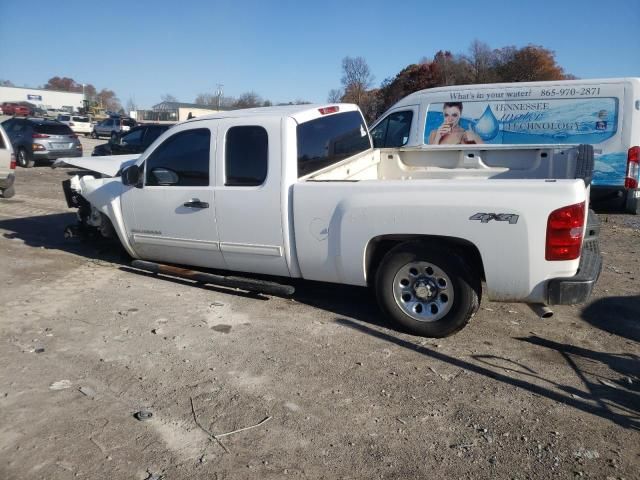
(97, 195)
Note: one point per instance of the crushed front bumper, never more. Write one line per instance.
(577, 289)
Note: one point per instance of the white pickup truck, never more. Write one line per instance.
(300, 192)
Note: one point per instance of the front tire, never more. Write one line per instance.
(427, 289)
(24, 159)
(94, 134)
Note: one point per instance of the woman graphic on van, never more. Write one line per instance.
(450, 132)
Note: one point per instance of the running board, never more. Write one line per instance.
(248, 284)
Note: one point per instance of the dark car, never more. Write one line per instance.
(36, 139)
(134, 141)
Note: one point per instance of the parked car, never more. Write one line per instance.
(7, 166)
(10, 108)
(112, 127)
(38, 139)
(135, 141)
(78, 123)
(300, 192)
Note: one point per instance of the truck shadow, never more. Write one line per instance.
(47, 231)
(615, 400)
(617, 315)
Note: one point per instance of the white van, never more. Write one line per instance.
(603, 113)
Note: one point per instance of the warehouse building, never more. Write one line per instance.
(41, 98)
(173, 112)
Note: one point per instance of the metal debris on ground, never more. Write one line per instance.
(87, 392)
(60, 385)
(143, 415)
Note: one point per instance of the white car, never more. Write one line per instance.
(300, 192)
(7, 166)
(78, 123)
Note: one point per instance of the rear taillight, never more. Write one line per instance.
(633, 168)
(565, 227)
(12, 165)
(39, 135)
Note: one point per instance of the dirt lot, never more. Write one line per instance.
(86, 343)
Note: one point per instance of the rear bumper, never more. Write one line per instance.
(577, 289)
(55, 155)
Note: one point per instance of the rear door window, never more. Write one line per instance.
(152, 134)
(246, 156)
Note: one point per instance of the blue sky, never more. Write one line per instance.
(287, 50)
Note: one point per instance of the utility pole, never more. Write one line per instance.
(219, 91)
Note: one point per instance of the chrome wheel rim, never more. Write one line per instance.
(423, 291)
(22, 158)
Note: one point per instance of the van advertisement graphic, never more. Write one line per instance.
(528, 121)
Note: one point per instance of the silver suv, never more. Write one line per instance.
(36, 139)
(112, 127)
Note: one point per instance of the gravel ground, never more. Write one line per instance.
(87, 343)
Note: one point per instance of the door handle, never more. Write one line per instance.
(195, 203)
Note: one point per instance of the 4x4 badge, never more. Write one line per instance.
(499, 217)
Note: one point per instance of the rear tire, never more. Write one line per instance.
(24, 159)
(9, 192)
(427, 289)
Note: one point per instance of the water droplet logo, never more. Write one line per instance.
(487, 126)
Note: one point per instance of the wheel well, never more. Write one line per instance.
(379, 246)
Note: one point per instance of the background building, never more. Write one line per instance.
(39, 97)
(172, 112)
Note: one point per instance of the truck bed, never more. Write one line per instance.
(487, 162)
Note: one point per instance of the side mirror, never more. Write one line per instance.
(131, 176)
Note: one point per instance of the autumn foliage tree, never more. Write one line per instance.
(479, 65)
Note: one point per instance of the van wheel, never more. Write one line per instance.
(427, 289)
(94, 134)
(23, 159)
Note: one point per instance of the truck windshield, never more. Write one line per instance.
(328, 140)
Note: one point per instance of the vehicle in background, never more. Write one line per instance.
(112, 127)
(135, 141)
(10, 108)
(7, 166)
(299, 192)
(78, 123)
(604, 113)
(41, 140)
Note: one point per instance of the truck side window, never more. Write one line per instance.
(186, 154)
(246, 156)
(393, 131)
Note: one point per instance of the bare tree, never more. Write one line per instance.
(167, 97)
(481, 59)
(6, 83)
(356, 78)
(249, 100)
(335, 95)
(206, 99)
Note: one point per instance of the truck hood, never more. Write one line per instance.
(108, 166)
